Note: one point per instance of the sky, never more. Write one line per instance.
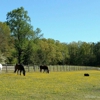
(62, 20)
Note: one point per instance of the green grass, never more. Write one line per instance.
(53, 86)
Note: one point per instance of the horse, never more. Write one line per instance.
(1, 66)
(19, 67)
(45, 68)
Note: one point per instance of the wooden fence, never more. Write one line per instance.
(52, 68)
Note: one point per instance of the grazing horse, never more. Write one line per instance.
(45, 68)
(1, 66)
(19, 67)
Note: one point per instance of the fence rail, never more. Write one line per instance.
(52, 68)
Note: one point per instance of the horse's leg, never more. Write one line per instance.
(44, 70)
(47, 70)
(20, 72)
(17, 72)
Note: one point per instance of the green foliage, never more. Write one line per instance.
(82, 53)
(96, 51)
(2, 58)
(20, 43)
(5, 42)
(73, 52)
(4, 36)
(21, 30)
(51, 52)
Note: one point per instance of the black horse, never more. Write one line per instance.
(19, 67)
(45, 68)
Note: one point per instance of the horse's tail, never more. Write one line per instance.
(24, 72)
(23, 69)
(48, 70)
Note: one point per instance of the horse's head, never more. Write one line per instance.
(24, 72)
(16, 65)
(15, 68)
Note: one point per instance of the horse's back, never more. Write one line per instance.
(19, 67)
(43, 67)
(46, 67)
(22, 67)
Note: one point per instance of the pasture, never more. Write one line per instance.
(72, 85)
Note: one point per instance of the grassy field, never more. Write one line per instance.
(53, 86)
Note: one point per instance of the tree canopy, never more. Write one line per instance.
(5, 42)
(20, 43)
(21, 30)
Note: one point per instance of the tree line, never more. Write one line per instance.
(20, 43)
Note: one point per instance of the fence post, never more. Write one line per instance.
(6, 68)
(34, 68)
(53, 68)
(69, 68)
(63, 68)
(57, 68)
(28, 68)
(66, 68)
(60, 68)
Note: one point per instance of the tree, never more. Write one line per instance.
(84, 53)
(73, 52)
(21, 30)
(32, 49)
(65, 53)
(5, 42)
(37, 34)
(96, 51)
